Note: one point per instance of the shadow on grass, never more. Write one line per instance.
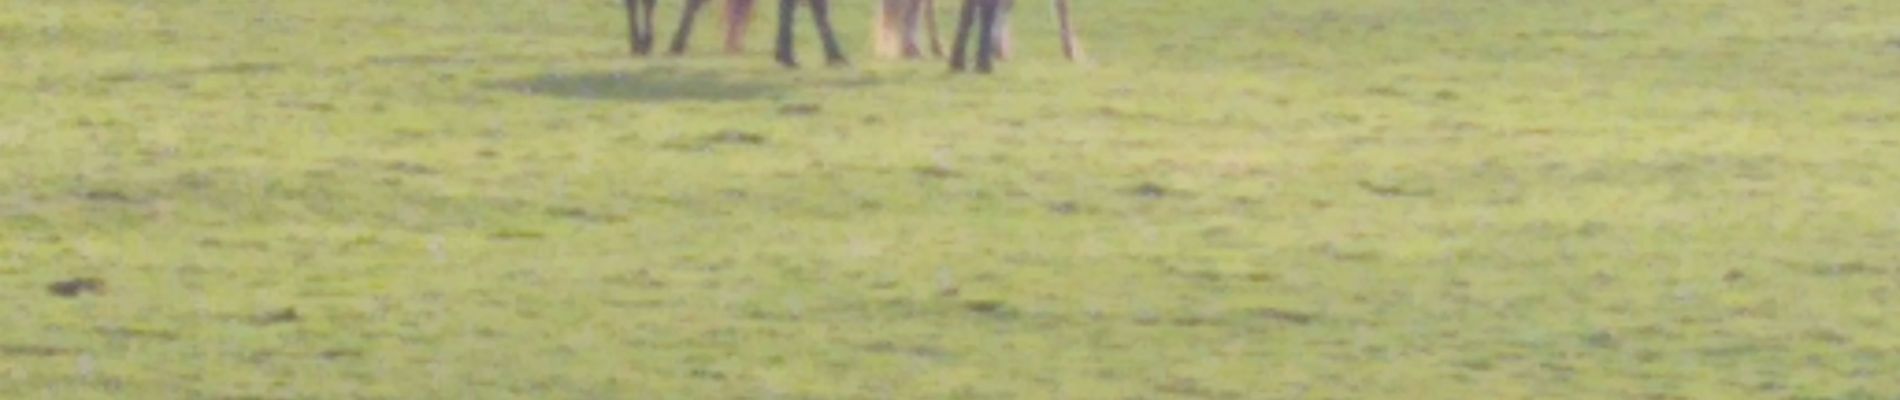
(651, 84)
(237, 68)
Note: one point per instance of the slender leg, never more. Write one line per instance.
(1071, 47)
(962, 40)
(1005, 42)
(986, 36)
(786, 56)
(914, 28)
(647, 25)
(634, 27)
(686, 26)
(738, 18)
(930, 26)
(884, 29)
(895, 29)
(821, 14)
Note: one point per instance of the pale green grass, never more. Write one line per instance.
(1459, 199)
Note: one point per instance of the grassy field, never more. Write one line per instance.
(1384, 199)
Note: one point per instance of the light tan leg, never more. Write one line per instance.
(929, 16)
(1071, 47)
(886, 25)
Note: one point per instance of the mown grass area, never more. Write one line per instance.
(1236, 199)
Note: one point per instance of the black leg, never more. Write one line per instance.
(962, 41)
(786, 57)
(821, 13)
(686, 26)
(986, 36)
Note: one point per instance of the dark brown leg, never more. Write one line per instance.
(647, 27)
(986, 36)
(821, 14)
(686, 26)
(961, 42)
(786, 55)
(637, 29)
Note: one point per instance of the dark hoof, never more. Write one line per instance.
(643, 46)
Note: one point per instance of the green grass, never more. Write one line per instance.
(1458, 199)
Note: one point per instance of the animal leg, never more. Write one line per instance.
(1005, 42)
(884, 25)
(930, 26)
(911, 21)
(640, 26)
(785, 53)
(962, 40)
(686, 26)
(1071, 47)
(647, 26)
(986, 35)
(738, 18)
(821, 14)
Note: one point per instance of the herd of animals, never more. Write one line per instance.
(901, 27)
